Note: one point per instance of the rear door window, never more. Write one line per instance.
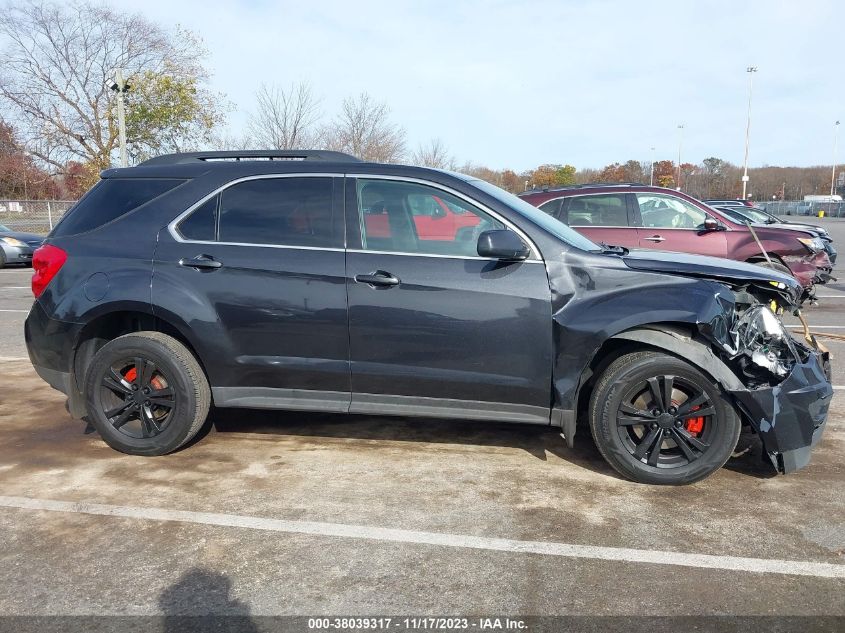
(280, 211)
(110, 199)
(201, 224)
(552, 207)
(599, 210)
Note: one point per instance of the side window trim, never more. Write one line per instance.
(535, 252)
(634, 218)
(172, 227)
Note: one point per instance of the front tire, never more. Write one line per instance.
(657, 419)
(146, 394)
(775, 265)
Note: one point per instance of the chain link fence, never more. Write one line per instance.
(803, 207)
(33, 216)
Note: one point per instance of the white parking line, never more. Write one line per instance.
(816, 327)
(23, 311)
(12, 358)
(16, 288)
(392, 535)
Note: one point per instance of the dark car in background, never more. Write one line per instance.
(641, 216)
(755, 215)
(17, 247)
(252, 280)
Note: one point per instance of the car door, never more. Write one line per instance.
(602, 217)
(670, 223)
(259, 270)
(434, 329)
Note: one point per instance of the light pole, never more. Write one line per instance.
(750, 70)
(833, 171)
(121, 87)
(651, 180)
(680, 142)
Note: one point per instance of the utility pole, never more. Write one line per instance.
(750, 70)
(651, 180)
(833, 171)
(680, 142)
(120, 87)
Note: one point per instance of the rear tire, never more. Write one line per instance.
(657, 419)
(2, 258)
(146, 394)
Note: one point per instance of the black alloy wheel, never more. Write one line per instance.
(137, 399)
(666, 421)
(658, 419)
(146, 393)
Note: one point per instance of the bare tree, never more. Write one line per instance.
(433, 154)
(285, 118)
(363, 128)
(227, 141)
(58, 65)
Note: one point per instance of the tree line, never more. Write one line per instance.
(59, 126)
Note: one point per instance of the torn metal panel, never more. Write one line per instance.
(790, 416)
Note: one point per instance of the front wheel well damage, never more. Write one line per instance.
(675, 339)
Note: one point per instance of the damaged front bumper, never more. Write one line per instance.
(787, 388)
(790, 417)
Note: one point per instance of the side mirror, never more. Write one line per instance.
(502, 244)
(712, 224)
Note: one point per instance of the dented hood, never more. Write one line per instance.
(716, 268)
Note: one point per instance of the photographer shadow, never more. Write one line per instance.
(201, 600)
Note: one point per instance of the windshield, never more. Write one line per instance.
(3, 227)
(543, 220)
(757, 216)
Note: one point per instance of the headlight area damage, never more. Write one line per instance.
(787, 392)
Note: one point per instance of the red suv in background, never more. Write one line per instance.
(434, 218)
(639, 216)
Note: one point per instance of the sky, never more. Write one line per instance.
(520, 83)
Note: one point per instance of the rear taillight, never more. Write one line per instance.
(46, 262)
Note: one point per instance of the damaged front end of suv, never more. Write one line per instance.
(787, 385)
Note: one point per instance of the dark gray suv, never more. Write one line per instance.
(314, 281)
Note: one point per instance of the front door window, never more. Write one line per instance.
(406, 217)
(668, 212)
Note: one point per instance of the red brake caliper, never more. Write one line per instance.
(131, 374)
(695, 425)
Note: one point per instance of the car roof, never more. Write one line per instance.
(238, 164)
(602, 187)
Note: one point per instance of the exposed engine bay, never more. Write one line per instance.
(752, 338)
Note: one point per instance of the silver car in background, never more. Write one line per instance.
(17, 247)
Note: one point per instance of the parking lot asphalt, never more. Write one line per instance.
(292, 513)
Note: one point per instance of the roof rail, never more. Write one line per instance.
(586, 185)
(252, 154)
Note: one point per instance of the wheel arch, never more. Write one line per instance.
(760, 258)
(107, 326)
(677, 339)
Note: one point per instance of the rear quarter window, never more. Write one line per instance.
(110, 199)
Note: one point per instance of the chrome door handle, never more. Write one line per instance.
(201, 262)
(378, 278)
(655, 238)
